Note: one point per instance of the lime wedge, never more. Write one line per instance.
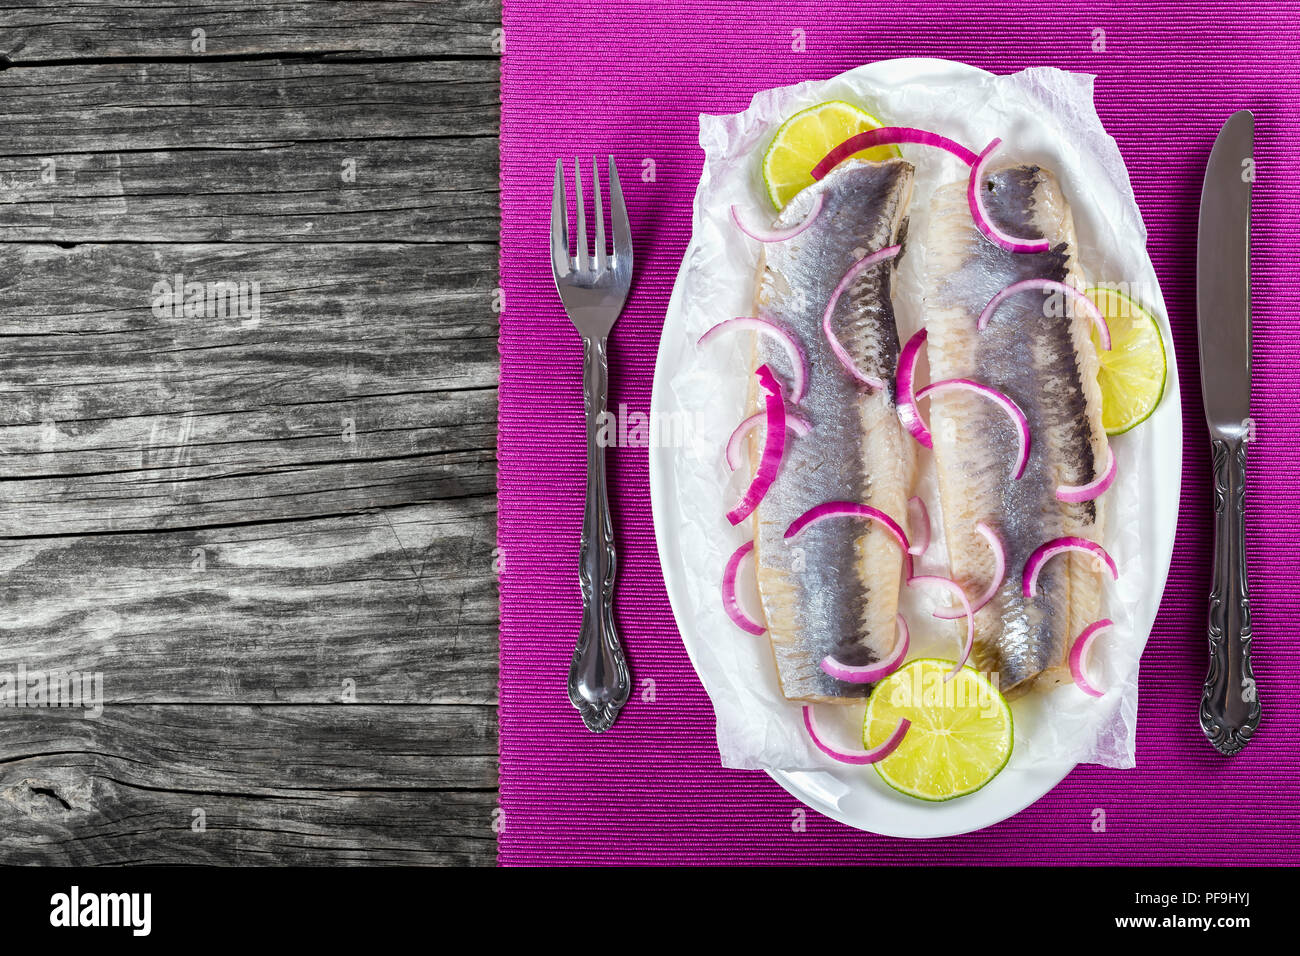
(1132, 373)
(961, 731)
(806, 137)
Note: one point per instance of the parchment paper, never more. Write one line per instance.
(1043, 115)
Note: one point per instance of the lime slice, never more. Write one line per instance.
(961, 731)
(1132, 373)
(805, 138)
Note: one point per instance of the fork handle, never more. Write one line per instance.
(1230, 707)
(599, 681)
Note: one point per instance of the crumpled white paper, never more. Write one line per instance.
(1043, 115)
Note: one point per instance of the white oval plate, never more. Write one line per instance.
(850, 795)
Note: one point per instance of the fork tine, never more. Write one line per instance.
(559, 225)
(618, 216)
(598, 208)
(580, 251)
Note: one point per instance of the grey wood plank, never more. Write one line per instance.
(250, 150)
(439, 189)
(99, 29)
(365, 380)
(283, 785)
(180, 509)
(395, 605)
(241, 104)
(331, 467)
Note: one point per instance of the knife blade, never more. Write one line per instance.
(1230, 708)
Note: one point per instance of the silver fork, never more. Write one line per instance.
(593, 286)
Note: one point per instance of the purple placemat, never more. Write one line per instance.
(578, 81)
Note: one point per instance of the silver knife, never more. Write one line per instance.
(1230, 707)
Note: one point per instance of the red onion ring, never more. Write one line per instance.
(954, 587)
(1050, 285)
(773, 447)
(974, 196)
(918, 517)
(860, 757)
(908, 413)
(1007, 405)
(999, 575)
(889, 136)
(729, 602)
(870, 673)
(779, 235)
(1078, 666)
(1045, 552)
(833, 509)
(855, 270)
(1093, 489)
(793, 422)
(763, 326)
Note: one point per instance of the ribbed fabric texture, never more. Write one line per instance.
(582, 79)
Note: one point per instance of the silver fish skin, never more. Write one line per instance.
(1038, 351)
(834, 588)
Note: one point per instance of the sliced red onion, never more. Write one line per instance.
(999, 575)
(1050, 285)
(1045, 552)
(870, 673)
(866, 262)
(773, 447)
(793, 422)
(955, 588)
(908, 413)
(975, 195)
(1079, 653)
(729, 602)
(832, 509)
(1007, 405)
(763, 326)
(778, 235)
(918, 517)
(873, 755)
(1094, 488)
(889, 136)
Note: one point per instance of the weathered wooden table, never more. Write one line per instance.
(259, 514)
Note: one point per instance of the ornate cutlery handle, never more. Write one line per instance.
(599, 682)
(1230, 708)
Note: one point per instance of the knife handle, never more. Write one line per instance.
(1230, 708)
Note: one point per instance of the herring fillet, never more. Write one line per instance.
(1040, 355)
(834, 588)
